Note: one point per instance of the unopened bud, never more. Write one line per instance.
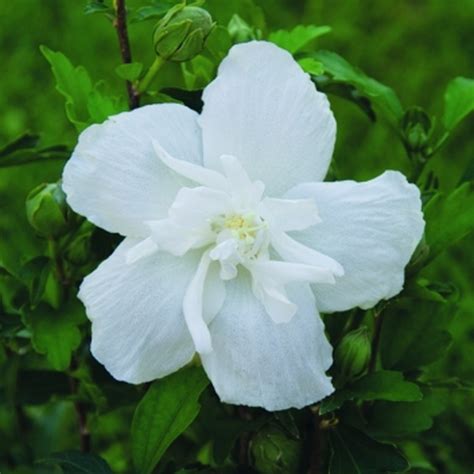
(273, 452)
(416, 126)
(181, 34)
(353, 353)
(47, 211)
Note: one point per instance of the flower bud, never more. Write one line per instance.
(240, 31)
(273, 452)
(47, 211)
(181, 34)
(353, 353)
(78, 251)
(416, 126)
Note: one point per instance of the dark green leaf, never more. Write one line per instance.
(55, 332)
(97, 6)
(75, 462)
(458, 101)
(166, 410)
(449, 218)
(25, 150)
(382, 385)
(35, 387)
(382, 97)
(396, 419)
(353, 452)
(414, 334)
(34, 274)
(298, 38)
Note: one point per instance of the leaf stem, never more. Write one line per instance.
(150, 74)
(120, 24)
(315, 460)
(376, 341)
(81, 414)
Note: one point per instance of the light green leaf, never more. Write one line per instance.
(298, 38)
(449, 218)
(352, 451)
(166, 410)
(129, 72)
(85, 103)
(458, 101)
(311, 66)
(75, 462)
(382, 385)
(382, 97)
(55, 332)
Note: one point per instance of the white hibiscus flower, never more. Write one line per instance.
(227, 253)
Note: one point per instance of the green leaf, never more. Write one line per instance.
(449, 218)
(34, 274)
(166, 410)
(55, 332)
(382, 385)
(129, 72)
(298, 38)
(311, 66)
(382, 97)
(352, 451)
(414, 333)
(458, 101)
(85, 103)
(24, 149)
(97, 6)
(399, 419)
(75, 462)
(36, 387)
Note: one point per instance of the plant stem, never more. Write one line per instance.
(120, 24)
(151, 73)
(376, 341)
(81, 413)
(315, 460)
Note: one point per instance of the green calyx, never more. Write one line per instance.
(181, 34)
(47, 211)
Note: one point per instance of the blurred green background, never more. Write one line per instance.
(414, 46)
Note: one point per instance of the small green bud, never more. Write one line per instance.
(240, 31)
(353, 353)
(78, 251)
(416, 127)
(273, 452)
(47, 211)
(181, 34)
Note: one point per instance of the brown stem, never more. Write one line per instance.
(81, 414)
(376, 341)
(120, 24)
(244, 439)
(315, 460)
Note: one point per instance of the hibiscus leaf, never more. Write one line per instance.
(397, 419)
(458, 101)
(55, 332)
(382, 385)
(24, 149)
(86, 103)
(298, 38)
(130, 71)
(382, 97)
(352, 451)
(75, 462)
(166, 410)
(449, 218)
(412, 339)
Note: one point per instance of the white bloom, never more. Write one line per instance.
(226, 253)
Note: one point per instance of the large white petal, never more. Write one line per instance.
(138, 327)
(264, 110)
(114, 177)
(371, 229)
(257, 362)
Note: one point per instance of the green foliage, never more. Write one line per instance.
(85, 103)
(354, 452)
(298, 38)
(413, 386)
(165, 411)
(458, 101)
